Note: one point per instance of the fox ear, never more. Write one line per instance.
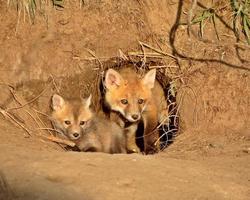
(149, 78)
(112, 79)
(87, 101)
(57, 102)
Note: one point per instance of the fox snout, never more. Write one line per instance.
(133, 117)
(74, 133)
(132, 111)
(74, 136)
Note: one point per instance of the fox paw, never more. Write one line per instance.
(133, 150)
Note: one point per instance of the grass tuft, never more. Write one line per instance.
(30, 7)
(27, 7)
(241, 20)
(207, 15)
(58, 3)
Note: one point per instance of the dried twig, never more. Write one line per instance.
(15, 96)
(42, 122)
(162, 66)
(54, 83)
(190, 15)
(96, 58)
(51, 129)
(29, 102)
(144, 54)
(166, 133)
(148, 54)
(59, 140)
(157, 50)
(44, 114)
(6, 84)
(9, 116)
(122, 55)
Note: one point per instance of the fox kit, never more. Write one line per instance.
(75, 120)
(131, 99)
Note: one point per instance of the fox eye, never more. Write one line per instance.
(82, 123)
(141, 101)
(124, 101)
(67, 122)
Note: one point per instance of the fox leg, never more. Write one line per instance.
(131, 139)
(130, 133)
(151, 133)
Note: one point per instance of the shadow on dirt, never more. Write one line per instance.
(176, 52)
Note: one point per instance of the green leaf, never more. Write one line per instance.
(246, 29)
(58, 3)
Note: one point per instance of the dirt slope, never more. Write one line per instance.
(55, 175)
(35, 169)
(58, 53)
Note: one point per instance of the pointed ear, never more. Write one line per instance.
(149, 78)
(87, 101)
(112, 79)
(57, 102)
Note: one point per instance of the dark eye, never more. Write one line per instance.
(82, 123)
(140, 101)
(67, 122)
(124, 101)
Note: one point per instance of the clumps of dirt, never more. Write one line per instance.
(214, 91)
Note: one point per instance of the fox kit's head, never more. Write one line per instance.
(70, 117)
(128, 95)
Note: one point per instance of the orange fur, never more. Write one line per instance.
(75, 120)
(132, 98)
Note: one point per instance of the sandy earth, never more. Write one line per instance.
(210, 159)
(35, 170)
(53, 175)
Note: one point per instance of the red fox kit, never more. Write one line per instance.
(131, 99)
(75, 119)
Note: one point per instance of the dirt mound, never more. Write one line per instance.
(64, 51)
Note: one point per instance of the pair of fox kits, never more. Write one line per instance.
(75, 120)
(130, 99)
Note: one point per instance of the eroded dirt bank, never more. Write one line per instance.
(55, 175)
(61, 51)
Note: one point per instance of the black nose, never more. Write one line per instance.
(76, 135)
(135, 117)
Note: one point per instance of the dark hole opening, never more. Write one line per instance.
(139, 136)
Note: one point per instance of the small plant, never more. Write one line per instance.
(203, 18)
(58, 3)
(241, 20)
(27, 7)
(30, 7)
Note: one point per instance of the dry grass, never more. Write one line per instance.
(168, 74)
(238, 17)
(241, 18)
(23, 114)
(206, 16)
(32, 121)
